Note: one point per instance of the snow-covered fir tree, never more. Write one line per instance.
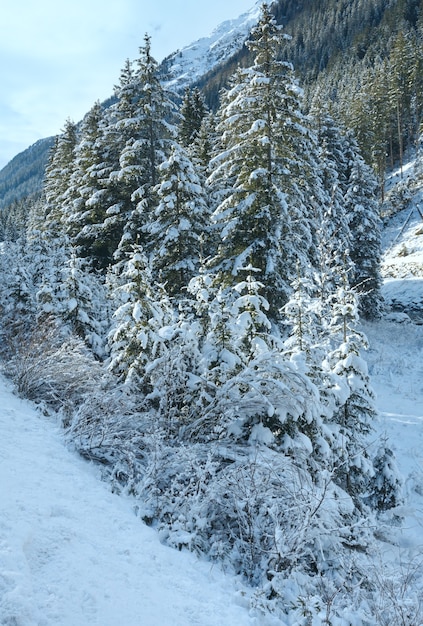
(57, 178)
(364, 221)
(17, 295)
(254, 218)
(178, 223)
(90, 194)
(139, 315)
(193, 110)
(356, 411)
(149, 132)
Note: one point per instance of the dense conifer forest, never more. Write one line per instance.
(188, 287)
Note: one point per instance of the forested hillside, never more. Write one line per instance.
(23, 176)
(187, 293)
(363, 59)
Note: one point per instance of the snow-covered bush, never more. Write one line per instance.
(398, 591)
(54, 368)
(258, 512)
(386, 487)
(107, 428)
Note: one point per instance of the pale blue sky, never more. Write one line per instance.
(57, 57)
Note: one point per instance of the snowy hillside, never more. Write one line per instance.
(395, 361)
(72, 553)
(403, 260)
(185, 66)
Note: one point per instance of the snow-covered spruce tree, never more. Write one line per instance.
(193, 110)
(219, 361)
(86, 311)
(336, 225)
(302, 313)
(386, 488)
(333, 240)
(173, 373)
(66, 288)
(255, 393)
(204, 145)
(154, 349)
(52, 301)
(17, 297)
(90, 193)
(362, 210)
(254, 218)
(369, 477)
(307, 345)
(57, 178)
(144, 117)
(356, 411)
(120, 132)
(177, 223)
(140, 314)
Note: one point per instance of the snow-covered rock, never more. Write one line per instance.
(185, 66)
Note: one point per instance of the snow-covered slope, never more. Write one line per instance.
(395, 361)
(403, 259)
(74, 554)
(185, 66)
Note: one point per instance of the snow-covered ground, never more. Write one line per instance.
(395, 359)
(74, 554)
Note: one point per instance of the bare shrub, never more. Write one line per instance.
(52, 367)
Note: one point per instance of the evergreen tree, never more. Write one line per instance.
(193, 110)
(400, 86)
(253, 393)
(17, 297)
(57, 178)
(134, 337)
(178, 223)
(356, 411)
(89, 194)
(52, 297)
(86, 310)
(138, 136)
(364, 225)
(204, 144)
(258, 224)
(149, 144)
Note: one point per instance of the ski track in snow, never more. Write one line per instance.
(74, 554)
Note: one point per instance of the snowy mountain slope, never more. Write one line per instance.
(403, 260)
(185, 66)
(72, 553)
(395, 361)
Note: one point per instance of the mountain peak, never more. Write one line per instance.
(185, 66)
